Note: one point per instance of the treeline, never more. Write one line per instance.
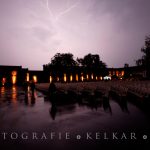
(65, 63)
(145, 60)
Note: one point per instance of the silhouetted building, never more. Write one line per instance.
(134, 72)
(10, 75)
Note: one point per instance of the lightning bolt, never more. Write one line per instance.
(49, 10)
(67, 10)
(56, 18)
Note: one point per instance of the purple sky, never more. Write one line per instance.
(33, 31)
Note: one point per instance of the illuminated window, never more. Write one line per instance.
(14, 73)
(92, 76)
(87, 77)
(110, 73)
(65, 77)
(14, 77)
(117, 73)
(82, 78)
(34, 79)
(101, 78)
(96, 78)
(71, 78)
(27, 77)
(50, 79)
(122, 73)
(77, 78)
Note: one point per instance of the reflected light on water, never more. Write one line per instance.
(3, 90)
(14, 94)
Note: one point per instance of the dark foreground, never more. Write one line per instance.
(30, 121)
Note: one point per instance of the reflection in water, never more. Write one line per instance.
(2, 90)
(106, 105)
(85, 114)
(26, 99)
(32, 99)
(29, 98)
(123, 104)
(75, 117)
(14, 94)
(53, 111)
(61, 103)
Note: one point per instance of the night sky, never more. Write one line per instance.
(33, 31)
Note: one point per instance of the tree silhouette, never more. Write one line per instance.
(64, 63)
(92, 64)
(61, 63)
(63, 60)
(91, 60)
(145, 60)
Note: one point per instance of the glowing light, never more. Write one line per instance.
(3, 90)
(57, 79)
(87, 77)
(27, 77)
(92, 76)
(82, 78)
(109, 73)
(107, 78)
(65, 77)
(71, 78)
(14, 77)
(14, 73)
(50, 79)
(117, 73)
(3, 81)
(101, 78)
(122, 73)
(96, 78)
(77, 78)
(35, 79)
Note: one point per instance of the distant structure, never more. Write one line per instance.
(16, 75)
(11, 75)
